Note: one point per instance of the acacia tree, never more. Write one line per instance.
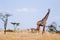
(4, 18)
(15, 25)
(52, 27)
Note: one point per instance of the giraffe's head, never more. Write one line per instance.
(48, 10)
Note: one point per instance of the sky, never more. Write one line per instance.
(28, 12)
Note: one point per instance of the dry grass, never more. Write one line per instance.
(25, 35)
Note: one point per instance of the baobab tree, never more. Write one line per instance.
(4, 18)
(15, 25)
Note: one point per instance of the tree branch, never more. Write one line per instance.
(3, 20)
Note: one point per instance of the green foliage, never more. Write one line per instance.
(52, 27)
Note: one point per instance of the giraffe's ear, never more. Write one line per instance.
(48, 10)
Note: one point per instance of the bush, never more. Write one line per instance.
(57, 31)
(9, 30)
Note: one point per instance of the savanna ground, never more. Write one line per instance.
(25, 35)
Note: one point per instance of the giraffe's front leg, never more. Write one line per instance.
(43, 29)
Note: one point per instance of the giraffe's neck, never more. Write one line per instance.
(46, 17)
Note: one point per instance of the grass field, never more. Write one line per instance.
(25, 35)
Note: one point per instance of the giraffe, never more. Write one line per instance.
(43, 22)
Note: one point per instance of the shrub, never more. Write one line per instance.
(9, 30)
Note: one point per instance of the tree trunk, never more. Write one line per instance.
(5, 25)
